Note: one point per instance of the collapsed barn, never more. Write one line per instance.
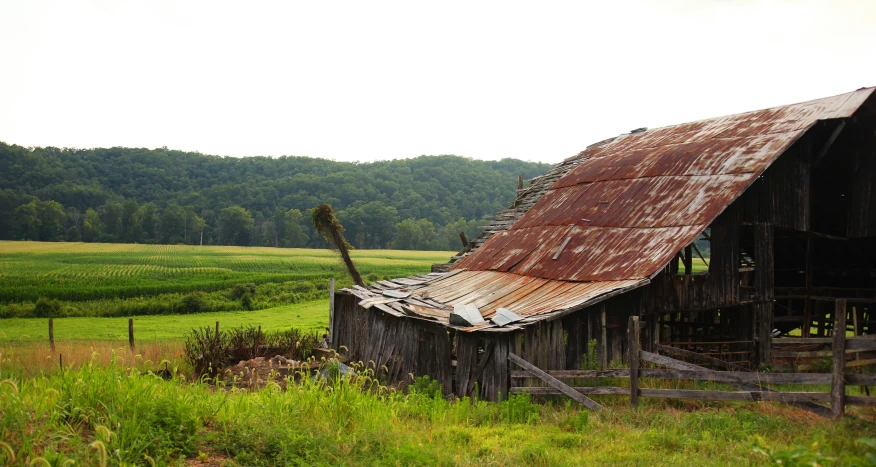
(785, 199)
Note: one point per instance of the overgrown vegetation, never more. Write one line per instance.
(208, 352)
(109, 414)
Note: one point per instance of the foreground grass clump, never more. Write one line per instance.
(109, 414)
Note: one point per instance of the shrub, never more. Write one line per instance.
(194, 302)
(46, 308)
(207, 351)
(241, 290)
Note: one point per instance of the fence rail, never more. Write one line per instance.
(751, 384)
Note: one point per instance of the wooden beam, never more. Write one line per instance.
(332, 323)
(589, 390)
(633, 341)
(554, 383)
(479, 369)
(603, 339)
(829, 143)
(838, 385)
(696, 356)
(748, 396)
(688, 259)
(679, 365)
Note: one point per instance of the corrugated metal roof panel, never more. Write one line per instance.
(633, 203)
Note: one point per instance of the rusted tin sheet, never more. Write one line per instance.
(633, 203)
(491, 290)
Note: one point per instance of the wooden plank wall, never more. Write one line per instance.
(862, 218)
(781, 196)
(394, 347)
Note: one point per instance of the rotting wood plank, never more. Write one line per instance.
(555, 383)
(748, 396)
(586, 390)
(861, 400)
(679, 365)
(479, 369)
(696, 356)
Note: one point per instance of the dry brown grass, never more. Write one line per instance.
(31, 358)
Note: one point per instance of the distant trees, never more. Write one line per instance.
(149, 196)
(235, 223)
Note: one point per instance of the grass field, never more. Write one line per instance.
(309, 315)
(87, 271)
(103, 409)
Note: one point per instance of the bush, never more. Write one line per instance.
(207, 351)
(194, 302)
(241, 290)
(46, 308)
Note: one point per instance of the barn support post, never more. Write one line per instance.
(633, 338)
(838, 383)
(764, 281)
(806, 328)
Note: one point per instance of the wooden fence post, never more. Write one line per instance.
(52, 334)
(633, 338)
(331, 311)
(131, 332)
(838, 384)
(603, 339)
(217, 328)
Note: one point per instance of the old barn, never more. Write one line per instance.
(783, 198)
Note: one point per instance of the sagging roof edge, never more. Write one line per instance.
(529, 320)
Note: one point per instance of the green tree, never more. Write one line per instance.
(148, 221)
(132, 228)
(52, 216)
(235, 223)
(92, 227)
(111, 215)
(28, 220)
(293, 234)
(172, 224)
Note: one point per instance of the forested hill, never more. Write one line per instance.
(167, 196)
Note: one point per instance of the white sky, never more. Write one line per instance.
(361, 81)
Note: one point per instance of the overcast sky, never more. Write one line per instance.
(362, 81)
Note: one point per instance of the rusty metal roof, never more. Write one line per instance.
(632, 204)
(615, 215)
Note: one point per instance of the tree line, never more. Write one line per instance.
(165, 196)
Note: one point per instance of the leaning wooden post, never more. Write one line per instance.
(331, 311)
(633, 338)
(838, 385)
(131, 332)
(52, 334)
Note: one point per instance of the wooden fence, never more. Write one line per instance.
(751, 385)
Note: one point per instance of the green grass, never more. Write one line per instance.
(310, 315)
(98, 414)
